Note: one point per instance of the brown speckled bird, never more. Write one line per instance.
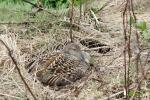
(61, 68)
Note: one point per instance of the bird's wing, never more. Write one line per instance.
(59, 69)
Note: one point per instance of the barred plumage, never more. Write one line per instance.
(61, 68)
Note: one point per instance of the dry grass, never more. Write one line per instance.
(26, 40)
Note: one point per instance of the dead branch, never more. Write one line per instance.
(113, 95)
(18, 69)
(40, 8)
(97, 48)
(2, 94)
(71, 20)
(26, 1)
(25, 22)
(94, 16)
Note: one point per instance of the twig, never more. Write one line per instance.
(138, 58)
(30, 3)
(26, 22)
(18, 69)
(113, 95)
(40, 8)
(96, 48)
(94, 16)
(135, 86)
(139, 82)
(71, 20)
(114, 60)
(10, 96)
(80, 11)
(125, 48)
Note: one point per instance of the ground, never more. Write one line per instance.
(29, 35)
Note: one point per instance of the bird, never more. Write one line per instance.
(62, 68)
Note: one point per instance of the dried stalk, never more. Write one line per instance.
(71, 20)
(125, 40)
(138, 58)
(40, 8)
(129, 12)
(80, 11)
(94, 16)
(18, 69)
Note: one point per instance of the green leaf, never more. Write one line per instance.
(142, 25)
(146, 35)
(132, 20)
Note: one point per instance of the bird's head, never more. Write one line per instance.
(74, 51)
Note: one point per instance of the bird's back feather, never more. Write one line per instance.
(59, 69)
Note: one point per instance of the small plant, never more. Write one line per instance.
(142, 26)
(57, 4)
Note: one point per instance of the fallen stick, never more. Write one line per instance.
(18, 69)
